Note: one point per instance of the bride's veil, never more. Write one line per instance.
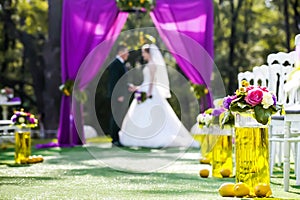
(161, 75)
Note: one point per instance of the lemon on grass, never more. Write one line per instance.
(227, 190)
(225, 172)
(241, 189)
(204, 173)
(40, 158)
(262, 190)
(204, 160)
(32, 159)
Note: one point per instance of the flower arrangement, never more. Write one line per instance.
(199, 90)
(140, 96)
(24, 119)
(204, 119)
(7, 92)
(67, 87)
(293, 81)
(210, 116)
(131, 5)
(256, 99)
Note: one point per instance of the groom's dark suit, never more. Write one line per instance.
(118, 109)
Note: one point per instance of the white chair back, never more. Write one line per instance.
(261, 75)
(280, 65)
(248, 76)
(281, 58)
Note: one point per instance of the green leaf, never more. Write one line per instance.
(208, 111)
(262, 115)
(236, 106)
(243, 105)
(226, 118)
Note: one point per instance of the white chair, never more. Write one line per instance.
(280, 65)
(248, 76)
(291, 136)
(261, 75)
(292, 128)
(7, 131)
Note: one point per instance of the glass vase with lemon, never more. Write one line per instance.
(252, 107)
(24, 121)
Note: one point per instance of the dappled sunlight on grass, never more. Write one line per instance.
(76, 173)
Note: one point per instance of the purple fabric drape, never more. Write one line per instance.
(186, 27)
(85, 24)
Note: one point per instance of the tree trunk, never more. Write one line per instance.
(32, 60)
(52, 71)
(295, 6)
(232, 41)
(287, 25)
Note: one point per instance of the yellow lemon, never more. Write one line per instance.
(40, 158)
(262, 190)
(241, 189)
(24, 161)
(225, 172)
(35, 159)
(227, 190)
(204, 160)
(204, 173)
(30, 160)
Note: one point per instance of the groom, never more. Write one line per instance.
(118, 108)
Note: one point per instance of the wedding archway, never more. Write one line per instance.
(87, 23)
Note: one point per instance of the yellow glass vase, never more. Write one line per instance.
(251, 151)
(22, 146)
(207, 141)
(222, 153)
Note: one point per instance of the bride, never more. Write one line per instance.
(153, 123)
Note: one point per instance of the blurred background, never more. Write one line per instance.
(245, 32)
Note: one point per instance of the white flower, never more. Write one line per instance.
(207, 119)
(267, 100)
(61, 87)
(21, 120)
(200, 118)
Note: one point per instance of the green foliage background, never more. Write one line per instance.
(24, 30)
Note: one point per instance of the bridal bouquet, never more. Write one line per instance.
(255, 99)
(140, 96)
(24, 119)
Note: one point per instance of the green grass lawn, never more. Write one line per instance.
(84, 173)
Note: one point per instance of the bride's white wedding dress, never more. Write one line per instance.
(153, 123)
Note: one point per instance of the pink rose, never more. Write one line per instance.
(250, 87)
(254, 96)
(264, 89)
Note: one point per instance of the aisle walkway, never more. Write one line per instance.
(74, 173)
